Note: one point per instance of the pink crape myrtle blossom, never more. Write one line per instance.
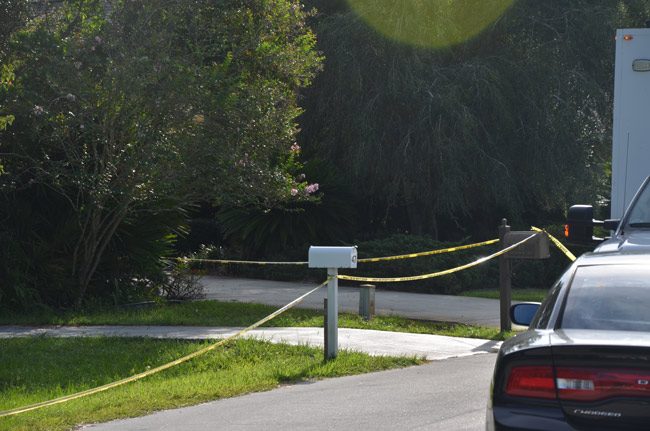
(294, 192)
(295, 148)
(311, 188)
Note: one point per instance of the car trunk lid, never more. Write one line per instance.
(603, 378)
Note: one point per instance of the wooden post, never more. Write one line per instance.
(505, 287)
(367, 301)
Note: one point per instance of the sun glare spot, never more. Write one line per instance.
(430, 23)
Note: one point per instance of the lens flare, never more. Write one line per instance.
(430, 23)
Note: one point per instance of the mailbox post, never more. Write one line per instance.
(332, 258)
(535, 248)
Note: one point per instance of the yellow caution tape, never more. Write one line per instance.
(428, 253)
(435, 274)
(162, 367)
(243, 262)
(557, 243)
(366, 260)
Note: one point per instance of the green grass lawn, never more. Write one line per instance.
(527, 295)
(214, 313)
(41, 368)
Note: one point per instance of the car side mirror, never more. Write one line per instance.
(580, 223)
(523, 313)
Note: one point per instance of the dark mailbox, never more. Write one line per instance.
(534, 248)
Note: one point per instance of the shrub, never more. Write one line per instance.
(525, 273)
(329, 218)
(403, 244)
(182, 284)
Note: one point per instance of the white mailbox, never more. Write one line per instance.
(332, 257)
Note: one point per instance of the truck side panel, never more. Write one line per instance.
(631, 122)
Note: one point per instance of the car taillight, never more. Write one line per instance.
(533, 382)
(591, 384)
(577, 384)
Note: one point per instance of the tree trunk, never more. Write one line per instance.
(416, 218)
(96, 235)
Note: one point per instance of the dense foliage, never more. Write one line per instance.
(120, 119)
(515, 122)
(123, 113)
(525, 274)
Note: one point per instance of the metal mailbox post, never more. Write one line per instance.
(332, 258)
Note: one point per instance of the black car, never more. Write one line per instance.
(584, 362)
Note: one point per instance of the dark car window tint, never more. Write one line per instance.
(609, 297)
(541, 319)
(640, 212)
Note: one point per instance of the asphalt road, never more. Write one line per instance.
(446, 308)
(445, 395)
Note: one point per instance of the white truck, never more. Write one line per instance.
(631, 134)
(630, 147)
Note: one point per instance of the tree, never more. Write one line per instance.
(126, 111)
(514, 122)
(13, 14)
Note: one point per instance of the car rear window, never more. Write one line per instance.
(640, 212)
(609, 297)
